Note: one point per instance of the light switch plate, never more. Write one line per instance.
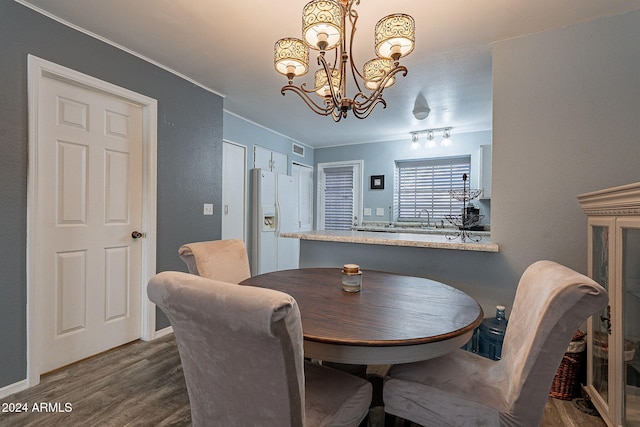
(379, 211)
(367, 211)
(208, 209)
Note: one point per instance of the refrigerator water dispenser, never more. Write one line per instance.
(268, 219)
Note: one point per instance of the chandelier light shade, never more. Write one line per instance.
(395, 36)
(324, 29)
(291, 57)
(374, 72)
(322, 84)
(322, 24)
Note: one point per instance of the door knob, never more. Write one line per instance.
(136, 234)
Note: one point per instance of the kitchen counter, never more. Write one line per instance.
(417, 240)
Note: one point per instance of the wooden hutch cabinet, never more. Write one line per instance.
(613, 335)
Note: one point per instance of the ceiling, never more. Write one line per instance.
(227, 47)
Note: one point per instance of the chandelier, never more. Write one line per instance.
(324, 29)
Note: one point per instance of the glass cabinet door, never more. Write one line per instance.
(630, 279)
(601, 321)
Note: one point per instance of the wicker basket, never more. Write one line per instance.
(566, 383)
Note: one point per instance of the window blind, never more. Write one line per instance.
(338, 191)
(425, 184)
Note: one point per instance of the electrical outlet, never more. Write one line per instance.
(367, 211)
(379, 211)
(208, 209)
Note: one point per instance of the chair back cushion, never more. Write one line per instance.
(551, 302)
(224, 260)
(240, 347)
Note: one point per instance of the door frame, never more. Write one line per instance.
(245, 200)
(358, 169)
(37, 70)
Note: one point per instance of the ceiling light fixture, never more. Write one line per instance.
(324, 29)
(431, 142)
(446, 137)
(415, 144)
(421, 108)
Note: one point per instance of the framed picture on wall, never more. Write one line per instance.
(377, 182)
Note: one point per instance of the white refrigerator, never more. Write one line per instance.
(274, 210)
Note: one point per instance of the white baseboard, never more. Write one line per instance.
(162, 332)
(13, 388)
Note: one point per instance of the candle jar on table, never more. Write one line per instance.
(351, 278)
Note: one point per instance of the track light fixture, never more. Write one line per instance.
(446, 137)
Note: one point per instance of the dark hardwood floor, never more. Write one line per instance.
(141, 384)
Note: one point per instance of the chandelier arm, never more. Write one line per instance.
(323, 111)
(303, 87)
(362, 112)
(367, 101)
(336, 115)
(350, 3)
(335, 98)
(397, 69)
(353, 19)
(362, 109)
(335, 57)
(377, 93)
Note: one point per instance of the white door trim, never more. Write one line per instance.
(37, 69)
(358, 168)
(244, 190)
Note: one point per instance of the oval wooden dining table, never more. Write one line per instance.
(393, 319)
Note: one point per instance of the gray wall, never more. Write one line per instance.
(566, 121)
(244, 132)
(189, 155)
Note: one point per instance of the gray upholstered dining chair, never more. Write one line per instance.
(463, 388)
(242, 356)
(224, 260)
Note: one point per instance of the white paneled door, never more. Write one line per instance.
(89, 197)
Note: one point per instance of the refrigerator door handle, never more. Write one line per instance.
(277, 218)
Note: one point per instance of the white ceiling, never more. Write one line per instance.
(227, 46)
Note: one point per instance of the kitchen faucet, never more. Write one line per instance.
(428, 218)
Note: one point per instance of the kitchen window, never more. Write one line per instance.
(425, 183)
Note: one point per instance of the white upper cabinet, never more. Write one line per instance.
(270, 160)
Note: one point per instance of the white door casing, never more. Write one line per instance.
(357, 167)
(92, 182)
(286, 222)
(304, 183)
(234, 191)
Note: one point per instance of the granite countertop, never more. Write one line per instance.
(438, 241)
